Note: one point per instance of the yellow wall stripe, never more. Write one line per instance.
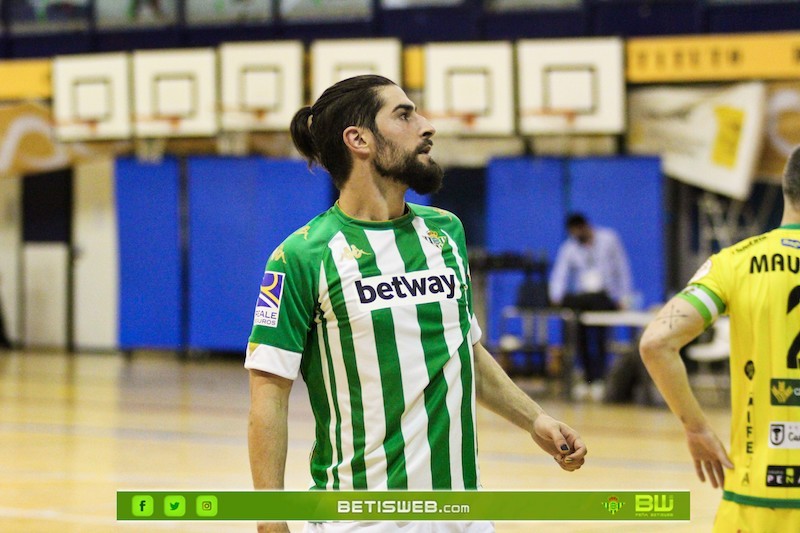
(25, 79)
(767, 56)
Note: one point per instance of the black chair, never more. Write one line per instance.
(526, 353)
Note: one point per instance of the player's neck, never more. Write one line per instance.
(790, 220)
(366, 196)
(791, 215)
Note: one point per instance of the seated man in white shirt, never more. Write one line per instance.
(591, 273)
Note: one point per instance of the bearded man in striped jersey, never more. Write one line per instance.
(371, 302)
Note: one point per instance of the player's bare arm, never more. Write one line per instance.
(267, 434)
(498, 393)
(677, 324)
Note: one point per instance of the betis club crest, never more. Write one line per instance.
(613, 505)
(435, 239)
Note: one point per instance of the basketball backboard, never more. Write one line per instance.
(175, 93)
(262, 85)
(469, 88)
(571, 86)
(91, 97)
(337, 60)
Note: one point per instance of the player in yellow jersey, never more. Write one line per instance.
(757, 283)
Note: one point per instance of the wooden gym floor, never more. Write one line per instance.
(75, 429)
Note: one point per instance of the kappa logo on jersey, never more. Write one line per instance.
(411, 288)
(784, 435)
(268, 307)
(448, 214)
(279, 254)
(783, 476)
(785, 392)
(354, 252)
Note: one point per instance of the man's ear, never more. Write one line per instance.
(356, 140)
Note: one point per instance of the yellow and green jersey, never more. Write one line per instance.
(378, 318)
(757, 283)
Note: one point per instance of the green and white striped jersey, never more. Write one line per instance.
(378, 318)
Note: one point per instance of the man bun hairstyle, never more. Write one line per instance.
(301, 133)
(317, 130)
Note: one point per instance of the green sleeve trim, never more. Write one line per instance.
(707, 303)
(711, 294)
(700, 306)
(761, 502)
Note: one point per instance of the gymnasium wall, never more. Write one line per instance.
(237, 210)
(194, 239)
(528, 200)
(10, 235)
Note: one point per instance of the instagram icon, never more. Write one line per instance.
(207, 506)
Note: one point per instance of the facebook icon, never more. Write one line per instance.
(142, 505)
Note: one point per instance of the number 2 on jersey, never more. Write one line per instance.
(794, 349)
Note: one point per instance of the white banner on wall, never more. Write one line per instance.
(782, 126)
(708, 137)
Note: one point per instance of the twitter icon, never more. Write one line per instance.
(174, 505)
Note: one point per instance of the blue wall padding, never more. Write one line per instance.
(149, 254)
(626, 194)
(240, 210)
(525, 200)
(528, 200)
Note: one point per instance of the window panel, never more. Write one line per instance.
(119, 13)
(200, 12)
(31, 16)
(325, 10)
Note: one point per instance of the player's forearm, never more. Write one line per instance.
(665, 366)
(267, 438)
(496, 392)
(676, 324)
(267, 432)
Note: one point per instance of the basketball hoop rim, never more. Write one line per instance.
(567, 113)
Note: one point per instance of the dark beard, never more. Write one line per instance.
(419, 177)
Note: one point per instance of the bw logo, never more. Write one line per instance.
(660, 503)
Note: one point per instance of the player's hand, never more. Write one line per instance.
(560, 441)
(709, 454)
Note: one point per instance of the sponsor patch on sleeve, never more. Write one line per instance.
(704, 269)
(268, 307)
